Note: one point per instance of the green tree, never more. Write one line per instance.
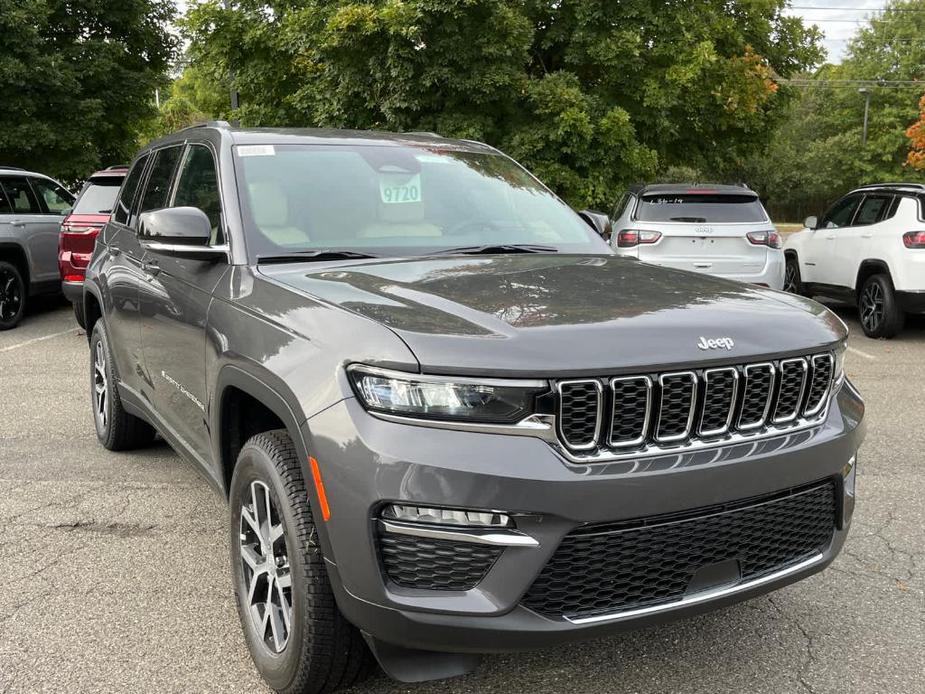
(77, 79)
(590, 94)
(191, 98)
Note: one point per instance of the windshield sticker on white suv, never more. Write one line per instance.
(396, 189)
(256, 150)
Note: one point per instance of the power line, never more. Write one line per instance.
(856, 9)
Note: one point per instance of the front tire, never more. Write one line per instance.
(79, 314)
(12, 296)
(793, 282)
(297, 637)
(879, 311)
(116, 429)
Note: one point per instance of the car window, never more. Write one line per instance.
(620, 207)
(123, 209)
(197, 186)
(20, 196)
(57, 200)
(872, 210)
(98, 195)
(157, 189)
(841, 213)
(700, 207)
(5, 207)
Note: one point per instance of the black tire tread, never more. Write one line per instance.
(334, 654)
(23, 292)
(894, 319)
(792, 259)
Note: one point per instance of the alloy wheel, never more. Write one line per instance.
(790, 278)
(872, 307)
(266, 572)
(10, 296)
(100, 386)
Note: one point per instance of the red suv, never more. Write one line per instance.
(80, 228)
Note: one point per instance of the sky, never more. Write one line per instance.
(838, 20)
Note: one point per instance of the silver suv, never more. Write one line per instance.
(716, 229)
(31, 209)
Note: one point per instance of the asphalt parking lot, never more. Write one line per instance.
(115, 565)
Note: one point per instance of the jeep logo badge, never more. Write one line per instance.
(716, 343)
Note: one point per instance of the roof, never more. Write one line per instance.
(692, 188)
(893, 187)
(281, 136)
(19, 171)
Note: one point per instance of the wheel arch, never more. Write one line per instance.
(93, 308)
(16, 254)
(868, 268)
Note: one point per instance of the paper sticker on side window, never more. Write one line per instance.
(397, 189)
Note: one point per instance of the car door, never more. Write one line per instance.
(818, 264)
(121, 273)
(854, 242)
(175, 301)
(54, 202)
(28, 226)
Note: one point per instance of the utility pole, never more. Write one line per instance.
(235, 102)
(866, 92)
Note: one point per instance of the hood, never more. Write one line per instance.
(556, 315)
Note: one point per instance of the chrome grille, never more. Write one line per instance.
(649, 413)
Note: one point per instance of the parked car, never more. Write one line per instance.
(719, 230)
(80, 228)
(869, 249)
(448, 419)
(31, 208)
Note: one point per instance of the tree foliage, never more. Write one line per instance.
(590, 94)
(76, 79)
(916, 133)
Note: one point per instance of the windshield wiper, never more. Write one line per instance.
(310, 256)
(496, 249)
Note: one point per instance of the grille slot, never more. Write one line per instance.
(719, 399)
(580, 413)
(676, 405)
(632, 403)
(609, 568)
(792, 385)
(416, 562)
(820, 382)
(756, 400)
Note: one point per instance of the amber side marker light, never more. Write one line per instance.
(319, 487)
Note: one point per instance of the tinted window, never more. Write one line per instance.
(197, 186)
(98, 195)
(700, 207)
(57, 200)
(841, 213)
(20, 196)
(5, 207)
(620, 207)
(157, 189)
(393, 199)
(123, 208)
(873, 209)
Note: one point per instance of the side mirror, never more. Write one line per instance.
(598, 221)
(811, 222)
(182, 232)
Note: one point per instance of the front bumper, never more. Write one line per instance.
(366, 462)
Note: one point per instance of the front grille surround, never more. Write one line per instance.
(695, 408)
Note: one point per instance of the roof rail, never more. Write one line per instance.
(12, 168)
(208, 124)
(903, 184)
(422, 132)
(116, 166)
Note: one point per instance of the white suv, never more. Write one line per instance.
(716, 229)
(869, 248)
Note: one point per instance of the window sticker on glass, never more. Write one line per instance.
(256, 150)
(400, 188)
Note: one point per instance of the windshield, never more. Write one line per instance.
(397, 200)
(712, 208)
(98, 196)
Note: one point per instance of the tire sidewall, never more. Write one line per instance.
(8, 325)
(99, 335)
(791, 261)
(888, 321)
(279, 670)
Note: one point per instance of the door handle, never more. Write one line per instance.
(703, 265)
(152, 268)
(830, 238)
(17, 223)
(114, 252)
(867, 236)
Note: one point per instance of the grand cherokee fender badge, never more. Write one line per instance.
(716, 343)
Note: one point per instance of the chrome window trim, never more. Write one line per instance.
(706, 393)
(768, 400)
(497, 537)
(825, 396)
(690, 415)
(702, 596)
(796, 411)
(646, 420)
(600, 414)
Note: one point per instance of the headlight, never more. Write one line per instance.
(441, 397)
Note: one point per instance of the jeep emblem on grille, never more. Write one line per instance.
(716, 343)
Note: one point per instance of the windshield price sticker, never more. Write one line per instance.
(398, 189)
(256, 151)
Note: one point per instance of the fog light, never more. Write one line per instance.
(446, 516)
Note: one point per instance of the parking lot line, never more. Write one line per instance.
(10, 348)
(855, 350)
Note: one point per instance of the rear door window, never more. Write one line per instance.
(157, 190)
(98, 195)
(710, 208)
(123, 209)
(873, 209)
(55, 199)
(20, 196)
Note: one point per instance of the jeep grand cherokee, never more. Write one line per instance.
(447, 418)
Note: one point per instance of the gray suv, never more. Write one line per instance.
(31, 209)
(448, 419)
